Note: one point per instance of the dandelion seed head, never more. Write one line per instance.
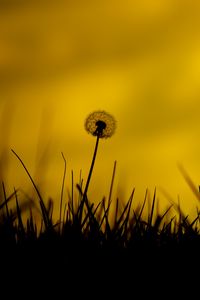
(100, 123)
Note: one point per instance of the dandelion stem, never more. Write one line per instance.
(91, 168)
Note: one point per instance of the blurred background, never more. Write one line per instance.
(138, 60)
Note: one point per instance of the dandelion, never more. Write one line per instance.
(102, 125)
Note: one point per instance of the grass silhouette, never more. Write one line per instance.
(91, 222)
(90, 239)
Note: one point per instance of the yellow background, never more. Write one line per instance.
(138, 60)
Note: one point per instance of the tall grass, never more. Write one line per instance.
(100, 225)
(93, 241)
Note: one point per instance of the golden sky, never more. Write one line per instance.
(138, 60)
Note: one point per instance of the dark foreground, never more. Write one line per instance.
(53, 265)
(84, 256)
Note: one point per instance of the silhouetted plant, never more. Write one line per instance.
(89, 235)
(102, 125)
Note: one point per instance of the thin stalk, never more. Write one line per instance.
(91, 168)
(112, 182)
(45, 215)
